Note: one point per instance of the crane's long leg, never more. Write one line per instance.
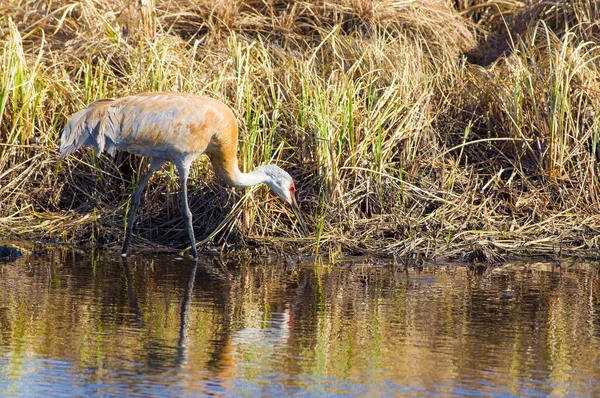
(186, 213)
(136, 198)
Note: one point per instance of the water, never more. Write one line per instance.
(93, 325)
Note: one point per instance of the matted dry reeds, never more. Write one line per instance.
(414, 128)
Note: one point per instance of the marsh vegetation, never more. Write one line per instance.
(414, 128)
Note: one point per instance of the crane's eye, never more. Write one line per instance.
(292, 188)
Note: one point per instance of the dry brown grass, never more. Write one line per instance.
(413, 128)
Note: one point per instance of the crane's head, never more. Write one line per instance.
(282, 184)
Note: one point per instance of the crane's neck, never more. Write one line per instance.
(232, 175)
(245, 180)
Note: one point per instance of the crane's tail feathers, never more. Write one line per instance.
(96, 125)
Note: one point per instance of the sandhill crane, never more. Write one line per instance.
(171, 127)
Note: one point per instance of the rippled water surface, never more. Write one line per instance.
(93, 325)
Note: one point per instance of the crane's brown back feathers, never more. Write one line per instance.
(169, 126)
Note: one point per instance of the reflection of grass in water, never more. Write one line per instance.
(350, 322)
(398, 144)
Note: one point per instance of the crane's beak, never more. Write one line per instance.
(296, 210)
